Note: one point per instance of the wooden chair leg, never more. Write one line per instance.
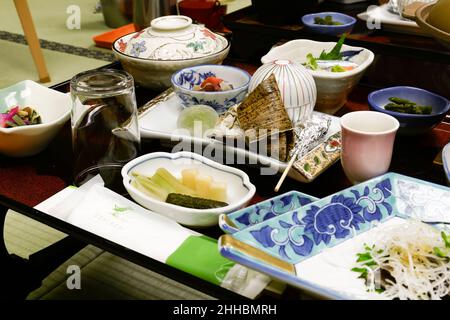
(33, 41)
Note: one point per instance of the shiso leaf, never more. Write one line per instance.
(335, 53)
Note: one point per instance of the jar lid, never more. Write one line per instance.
(171, 38)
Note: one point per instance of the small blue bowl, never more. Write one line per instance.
(184, 81)
(346, 27)
(411, 124)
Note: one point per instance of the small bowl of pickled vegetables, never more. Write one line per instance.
(329, 23)
(30, 117)
(187, 187)
(217, 86)
(416, 109)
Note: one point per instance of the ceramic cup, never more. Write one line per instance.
(367, 143)
(208, 12)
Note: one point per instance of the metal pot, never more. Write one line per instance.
(117, 12)
(121, 12)
(146, 10)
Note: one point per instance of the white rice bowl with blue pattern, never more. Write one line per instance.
(184, 83)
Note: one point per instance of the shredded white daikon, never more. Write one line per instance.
(407, 255)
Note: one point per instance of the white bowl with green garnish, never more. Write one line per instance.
(52, 106)
(333, 87)
(151, 188)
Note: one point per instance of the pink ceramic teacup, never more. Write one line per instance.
(367, 143)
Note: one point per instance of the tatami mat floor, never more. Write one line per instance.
(50, 17)
(104, 276)
(17, 65)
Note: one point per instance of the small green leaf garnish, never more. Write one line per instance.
(446, 239)
(337, 68)
(364, 257)
(363, 272)
(443, 252)
(312, 63)
(119, 209)
(439, 252)
(335, 53)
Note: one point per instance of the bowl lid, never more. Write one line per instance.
(171, 38)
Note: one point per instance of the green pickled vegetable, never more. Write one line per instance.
(149, 187)
(405, 106)
(173, 182)
(193, 202)
(327, 21)
(19, 120)
(160, 185)
(400, 100)
(17, 117)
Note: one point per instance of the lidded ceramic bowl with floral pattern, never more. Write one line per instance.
(173, 38)
(171, 43)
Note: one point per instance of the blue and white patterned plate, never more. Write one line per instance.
(262, 211)
(315, 246)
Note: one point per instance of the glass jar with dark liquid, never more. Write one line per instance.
(105, 131)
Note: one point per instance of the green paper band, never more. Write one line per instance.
(199, 256)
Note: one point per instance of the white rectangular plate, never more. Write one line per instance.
(158, 120)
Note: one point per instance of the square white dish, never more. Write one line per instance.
(158, 120)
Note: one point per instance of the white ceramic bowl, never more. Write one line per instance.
(183, 82)
(53, 106)
(240, 189)
(333, 88)
(297, 87)
(170, 44)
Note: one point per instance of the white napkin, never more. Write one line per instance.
(105, 213)
(118, 219)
